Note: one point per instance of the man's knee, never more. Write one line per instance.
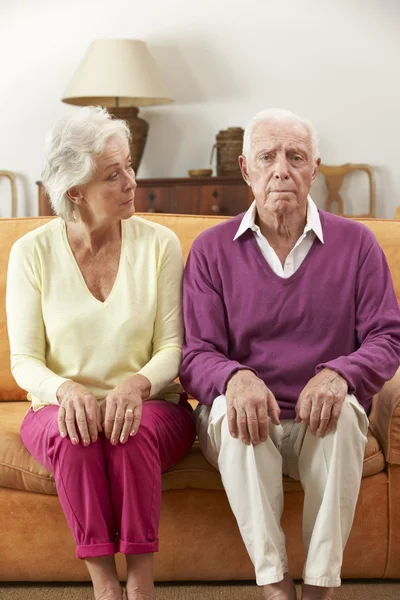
(353, 416)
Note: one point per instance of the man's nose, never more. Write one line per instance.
(281, 169)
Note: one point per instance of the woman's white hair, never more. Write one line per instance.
(71, 150)
(278, 114)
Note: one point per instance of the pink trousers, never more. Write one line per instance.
(111, 495)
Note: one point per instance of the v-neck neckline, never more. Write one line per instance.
(270, 272)
(79, 272)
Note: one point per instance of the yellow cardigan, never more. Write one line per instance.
(58, 330)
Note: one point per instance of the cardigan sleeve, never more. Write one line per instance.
(26, 329)
(163, 365)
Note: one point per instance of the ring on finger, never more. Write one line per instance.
(129, 410)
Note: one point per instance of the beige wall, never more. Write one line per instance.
(334, 62)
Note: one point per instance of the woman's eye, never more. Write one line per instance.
(112, 177)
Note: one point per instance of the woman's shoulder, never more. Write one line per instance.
(151, 230)
(38, 237)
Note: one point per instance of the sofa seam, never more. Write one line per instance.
(21, 470)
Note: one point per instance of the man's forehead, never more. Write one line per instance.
(273, 132)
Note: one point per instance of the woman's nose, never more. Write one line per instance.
(130, 182)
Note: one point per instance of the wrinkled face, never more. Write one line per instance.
(279, 167)
(111, 192)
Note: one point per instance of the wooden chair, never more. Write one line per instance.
(334, 179)
(397, 215)
(11, 178)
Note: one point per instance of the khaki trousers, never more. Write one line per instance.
(329, 468)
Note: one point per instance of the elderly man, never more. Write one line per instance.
(292, 325)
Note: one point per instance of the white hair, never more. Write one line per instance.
(278, 114)
(71, 150)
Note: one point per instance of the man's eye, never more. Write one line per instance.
(266, 157)
(296, 158)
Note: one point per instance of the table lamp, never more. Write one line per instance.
(120, 75)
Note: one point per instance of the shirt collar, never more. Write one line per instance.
(313, 222)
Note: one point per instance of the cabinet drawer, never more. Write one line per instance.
(224, 200)
(155, 199)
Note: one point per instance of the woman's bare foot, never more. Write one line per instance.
(316, 592)
(135, 593)
(282, 590)
(113, 593)
(104, 577)
(140, 582)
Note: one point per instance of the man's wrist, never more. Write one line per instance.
(240, 374)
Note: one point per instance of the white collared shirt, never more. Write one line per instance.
(302, 247)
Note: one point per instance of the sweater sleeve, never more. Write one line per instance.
(206, 368)
(377, 322)
(26, 329)
(163, 366)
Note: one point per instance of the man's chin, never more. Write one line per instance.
(284, 204)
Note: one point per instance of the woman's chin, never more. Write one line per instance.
(128, 210)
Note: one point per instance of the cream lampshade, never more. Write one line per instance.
(120, 75)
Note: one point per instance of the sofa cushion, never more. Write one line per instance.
(187, 228)
(20, 471)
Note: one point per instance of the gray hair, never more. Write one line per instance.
(279, 114)
(71, 151)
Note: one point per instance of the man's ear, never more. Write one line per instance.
(243, 168)
(75, 195)
(315, 170)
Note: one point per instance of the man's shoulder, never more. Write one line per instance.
(218, 235)
(334, 225)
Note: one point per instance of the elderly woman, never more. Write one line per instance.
(94, 318)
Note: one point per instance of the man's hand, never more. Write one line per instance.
(249, 404)
(79, 412)
(320, 403)
(122, 408)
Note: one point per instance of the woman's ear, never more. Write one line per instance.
(75, 195)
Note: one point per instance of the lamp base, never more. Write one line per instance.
(138, 127)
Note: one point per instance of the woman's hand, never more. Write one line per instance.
(122, 408)
(79, 412)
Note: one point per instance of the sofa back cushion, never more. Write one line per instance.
(187, 228)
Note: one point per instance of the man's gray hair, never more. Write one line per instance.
(278, 114)
(71, 150)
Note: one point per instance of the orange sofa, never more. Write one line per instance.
(199, 539)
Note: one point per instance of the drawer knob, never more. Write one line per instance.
(151, 198)
(215, 209)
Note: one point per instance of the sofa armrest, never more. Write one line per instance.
(385, 419)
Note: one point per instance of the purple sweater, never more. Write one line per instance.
(338, 310)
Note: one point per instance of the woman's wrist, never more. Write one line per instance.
(142, 384)
(64, 390)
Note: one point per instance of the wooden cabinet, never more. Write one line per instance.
(191, 196)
